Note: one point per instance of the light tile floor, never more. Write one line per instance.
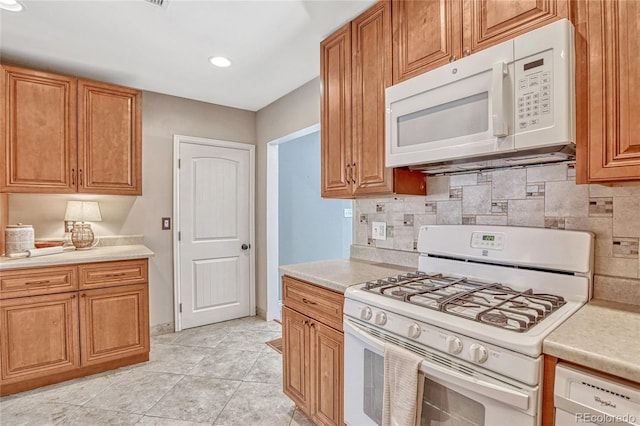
(220, 374)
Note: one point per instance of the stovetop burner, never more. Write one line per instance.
(489, 303)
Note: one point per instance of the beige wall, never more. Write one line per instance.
(295, 111)
(163, 116)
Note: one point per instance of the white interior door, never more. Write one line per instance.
(215, 232)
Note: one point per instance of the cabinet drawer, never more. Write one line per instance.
(108, 274)
(35, 281)
(316, 302)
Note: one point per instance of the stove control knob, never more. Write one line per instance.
(454, 345)
(478, 353)
(414, 331)
(381, 318)
(366, 313)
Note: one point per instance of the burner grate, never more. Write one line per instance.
(490, 303)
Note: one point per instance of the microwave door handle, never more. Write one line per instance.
(500, 124)
(479, 386)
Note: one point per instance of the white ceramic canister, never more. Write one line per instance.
(18, 238)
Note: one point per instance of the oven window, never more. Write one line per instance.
(373, 385)
(443, 407)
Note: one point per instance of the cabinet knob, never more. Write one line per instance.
(84, 295)
(466, 52)
(452, 58)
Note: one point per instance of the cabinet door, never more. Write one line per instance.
(327, 347)
(295, 358)
(489, 22)
(38, 336)
(38, 125)
(114, 323)
(335, 114)
(607, 84)
(371, 75)
(426, 35)
(109, 139)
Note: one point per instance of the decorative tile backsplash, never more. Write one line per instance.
(538, 196)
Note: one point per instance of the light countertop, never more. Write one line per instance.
(604, 336)
(97, 254)
(338, 274)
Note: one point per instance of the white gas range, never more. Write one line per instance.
(478, 308)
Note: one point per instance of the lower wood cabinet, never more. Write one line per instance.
(115, 323)
(313, 363)
(61, 332)
(39, 337)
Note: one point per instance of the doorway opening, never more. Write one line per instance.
(301, 225)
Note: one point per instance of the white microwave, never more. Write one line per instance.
(511, 104)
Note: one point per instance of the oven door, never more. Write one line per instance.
(455, 394)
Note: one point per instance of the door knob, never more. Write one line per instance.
(245, 246)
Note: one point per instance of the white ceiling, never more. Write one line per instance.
(273, 45)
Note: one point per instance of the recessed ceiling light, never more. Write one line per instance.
(12, 5)
(220, 61)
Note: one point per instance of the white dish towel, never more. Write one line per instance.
(403, 385)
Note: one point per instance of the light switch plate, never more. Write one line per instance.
(379, 230)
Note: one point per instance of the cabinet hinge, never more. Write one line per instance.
(179, 163)
(180, 307)
(179, 236)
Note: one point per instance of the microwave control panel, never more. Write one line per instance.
(534, 92)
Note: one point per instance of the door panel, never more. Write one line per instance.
(214, 202)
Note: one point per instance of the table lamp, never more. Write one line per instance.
(80, 212)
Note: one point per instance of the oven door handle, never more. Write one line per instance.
(503, 394)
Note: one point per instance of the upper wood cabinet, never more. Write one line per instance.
(431, 33)
(335, 114)
(426, 35)
(489, 22)
(607, 83)
(355, 69)
(38, 131)
(61, 134)
(109, 139)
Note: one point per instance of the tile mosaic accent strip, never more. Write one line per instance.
(371, 242)
(408, 220)
(484, 178)
(379, 208)
(431, 208)
(390, 231)
(601, 207)
(415, 245)
(468, 220)
(499, 207)
(455, 193)
(554, 222)
(625, 247)
(535, 189)
(364, 218)
(571, 171)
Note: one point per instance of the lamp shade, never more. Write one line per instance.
(83, 211)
